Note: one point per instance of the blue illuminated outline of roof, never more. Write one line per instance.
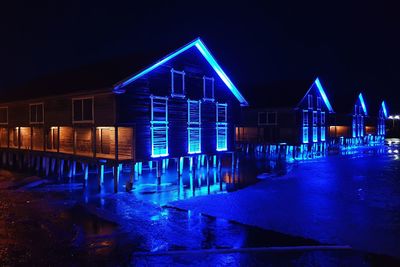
(384, 109)
(360, 96)
(324, 97)
(198, 43)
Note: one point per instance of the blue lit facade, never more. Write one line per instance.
(304, 126)
(360, 127)
(359, 118)
(183, 105)
(381, 120)
(315, 108)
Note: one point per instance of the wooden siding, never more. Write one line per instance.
(37, 137)
(3, 137)
(66, 139)
(134, 106)
(58, 110)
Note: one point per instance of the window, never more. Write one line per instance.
(361, 125)
(194, 127)
(323, 133)
(360, 110)
(305, 126)
(310, 101)
(318, 102)
(222, 127)
(322, 118)
(36, 113)
(82, 109)
(177, 83)
(208, 89)
(262, 118)
(3, 115)
(305, 135)
(315, 134)
(354, 126)
(271, 116)
(355, 109)
(315, 118)
(159, 126)
(305, 117)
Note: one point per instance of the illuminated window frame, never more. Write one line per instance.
(159, 127)
(323, 133)
(323, 118)
(173, 91)
(222, 127)
(361, 126)
(194, 127)
(305, 134)
(82, 101)
(315, 118)
(6, 110)
(36, 105)
(354, 126)
(205, 95)
(315, 134)
(305, 117)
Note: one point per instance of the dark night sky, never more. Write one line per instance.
(351, 47)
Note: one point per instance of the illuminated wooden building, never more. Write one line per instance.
(350, 129)
(184, 105)
(300, 125)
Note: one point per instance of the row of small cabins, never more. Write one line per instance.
(183, 106)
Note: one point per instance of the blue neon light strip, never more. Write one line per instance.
(384, 109)
(324, 97)
(360, 96)
(207, 55)
(194, 127)
(159, 127)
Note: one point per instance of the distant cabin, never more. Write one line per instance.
(376, 124)
(381, 120)
(305, 123)
(182, 105)
(351, 125)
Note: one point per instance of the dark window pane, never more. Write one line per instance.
(39, 113)
(3, 115)
(178, 83)
(272, 118)
(208, 90)
(33, 113)
(87, 109)
(262, 118)
(77, 110)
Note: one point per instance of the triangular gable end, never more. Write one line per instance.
(321, 91)
(198, 43)
(364, 107)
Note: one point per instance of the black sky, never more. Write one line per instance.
(351, 47)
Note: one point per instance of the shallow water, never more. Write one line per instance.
(109, 228)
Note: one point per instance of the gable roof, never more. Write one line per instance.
(198, 43)
(321, 90)
(361, 98)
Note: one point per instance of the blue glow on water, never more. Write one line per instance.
(207, 55)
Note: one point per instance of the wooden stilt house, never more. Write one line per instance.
(182, 105)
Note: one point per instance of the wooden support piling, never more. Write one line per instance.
(158, 172)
